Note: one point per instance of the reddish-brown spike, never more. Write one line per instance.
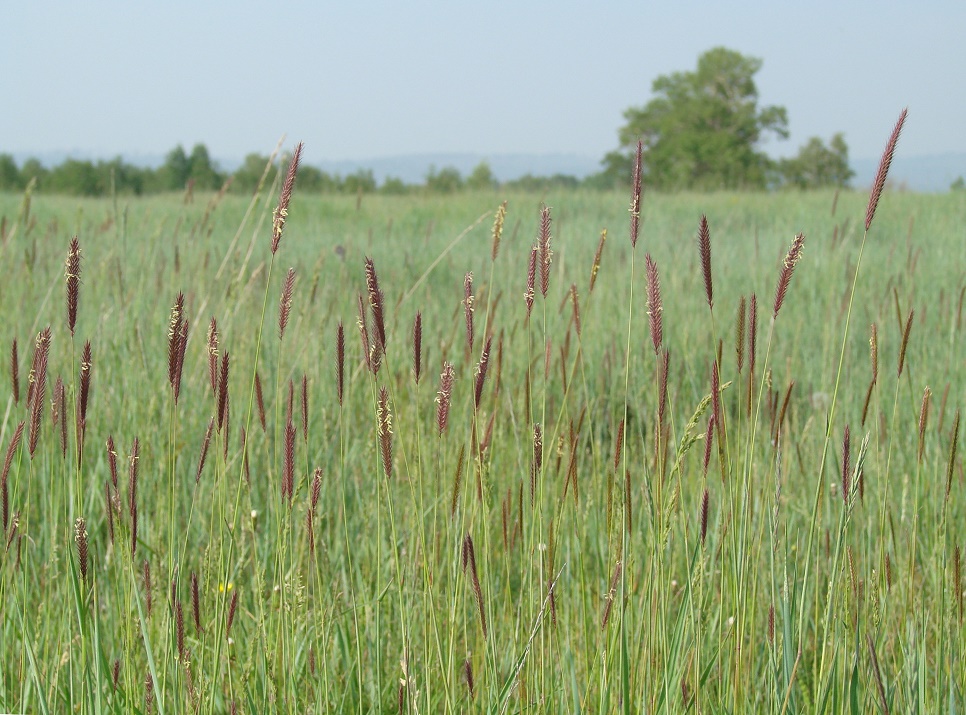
(444, 396)
(636, 195)
(788, 268)
(174, 336)
(619, 446)
(7, 462)
(288, 465)
(232, 608)
(384, 417)
(39, 381)
(285, 302)
(595, 266)
(196, 602)
(376, 303)
(305, 407)
(72, 273)
(654, 307)
(15, 372)
(339, 363)
(284, 198)
(260, 401)
(546, 254)
(704, 249)
(905, 342)
(468, 300)
(923, 420)
(481, 369)
(846, 464)
(528, 294)
(878, 184)
(498, 230)
(705, 499)
(708, 439)
(417, 349)
(223, 391)
(212, 346)
(204, 449)
(80, 426)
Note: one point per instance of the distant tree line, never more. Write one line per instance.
(701, 131)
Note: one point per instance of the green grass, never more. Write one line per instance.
(383, 611)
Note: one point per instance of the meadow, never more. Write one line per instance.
(428, 454)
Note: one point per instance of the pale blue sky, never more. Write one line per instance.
(373, 79)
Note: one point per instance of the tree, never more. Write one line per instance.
(445, 181)
(702, 129)
(481, 178)
(958, 185)
(176, 170)
(200, 168)
(10, 179)
(818, 165)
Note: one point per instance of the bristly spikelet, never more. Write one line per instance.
(498, 230)
(57, 406)
(654, 307)
(705, 499)
(417, 347)
(619, 446)
(288, 464)
(196, 602)
(740, 335)
(376, 303)
(204, 449)
(38, 379)
(704, 249)
(223, 392)
(874, 352)
(80, 538)
(174, 336)
(468, 300)
(846, 464)
(284, 197)
(481, 369)
(885, 162)
(305, 407)
(340, 363)
(15, 372)
(83, 397)
(610, 596)
(468, 677)
(923, 420)
(636, 195)
(179, 628)
(716, 394)
(212, 346)
(528, 294)
(469, 559)
(285, 302)
(575, 303)
(232, 608)
(537, 463)
(595, 266)
(546, 254)
(953, 447)
(905, 342)
(457, 480)
(384, 417)
(788, 268)
(444, 396)
(260, 400)
(72, 271)
(112, 460)
(132, 494)
(708, 439)
(7, 462)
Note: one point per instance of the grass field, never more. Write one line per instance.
(554, 532)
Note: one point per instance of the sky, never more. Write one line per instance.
(360, 79)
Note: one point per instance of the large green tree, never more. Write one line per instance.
(818, 165)
(702, 129)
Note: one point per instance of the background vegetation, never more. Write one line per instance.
(572, 536)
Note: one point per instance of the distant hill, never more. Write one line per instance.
(932, 173)
(412, 168)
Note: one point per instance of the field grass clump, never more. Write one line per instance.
(539, 473)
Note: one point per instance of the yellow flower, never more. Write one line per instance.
(222, 588)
